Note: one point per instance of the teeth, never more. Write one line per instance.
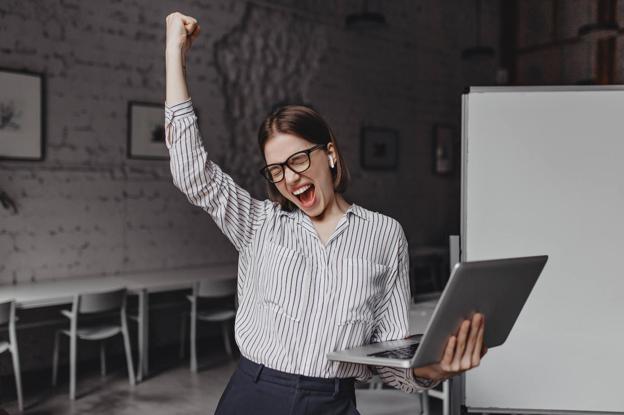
(301, 190)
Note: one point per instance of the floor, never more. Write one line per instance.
(173, 389)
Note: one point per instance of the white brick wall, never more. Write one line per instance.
(88, 210)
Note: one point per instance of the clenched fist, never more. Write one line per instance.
(181, 31)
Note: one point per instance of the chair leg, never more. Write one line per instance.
(73, 361)
(16, 369)
(57, 338)
(183, 334)
(103, 358)
(126, 339)
(193, 341)
(424, 396)
(226, 337)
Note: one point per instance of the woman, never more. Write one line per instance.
(316, 273)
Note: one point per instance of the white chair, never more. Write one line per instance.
(391, 402)
(225, 315)
(93, 304)
(8, 318)
(372, 397)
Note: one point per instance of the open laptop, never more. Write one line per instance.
(497, 288)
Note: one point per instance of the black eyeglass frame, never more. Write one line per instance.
(285, 163)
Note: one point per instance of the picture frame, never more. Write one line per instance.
(443, 149)
(146, 131)
(22, 115)
(379, 148)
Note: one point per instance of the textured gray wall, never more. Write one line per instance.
(88, 210)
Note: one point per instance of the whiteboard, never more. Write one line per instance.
(543, 173)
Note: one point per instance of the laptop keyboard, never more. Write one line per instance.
(401, 353)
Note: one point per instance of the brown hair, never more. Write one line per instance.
(304, 122)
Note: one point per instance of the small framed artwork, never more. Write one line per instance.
(379, 148)
(146, 131)
(21, 115)
(443, 149)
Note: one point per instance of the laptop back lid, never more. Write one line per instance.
(496, 288)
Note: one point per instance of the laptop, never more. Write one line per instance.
(496, 288)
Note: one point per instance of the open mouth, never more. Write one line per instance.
(305, 195)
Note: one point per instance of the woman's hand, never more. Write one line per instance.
(181, 31)
(463, 352)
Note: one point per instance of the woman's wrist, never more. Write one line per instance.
(173, 53)
(426, 379)
(425, 373)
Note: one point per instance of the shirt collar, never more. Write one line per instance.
(354, 209)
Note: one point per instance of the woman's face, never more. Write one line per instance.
(318, 176)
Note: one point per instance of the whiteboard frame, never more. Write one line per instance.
(458, 406)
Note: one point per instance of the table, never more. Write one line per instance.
(145, 283)
(56, 292)
(60, 292)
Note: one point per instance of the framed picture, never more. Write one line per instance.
(379, 148)
(21, 115)
(443, 149)
(146, 131)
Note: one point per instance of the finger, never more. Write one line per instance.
(449, 352)
(475, 325)
(461, 344)
(467, 358)
(480, 347)
(190, 28)
(187, 19)
(195, 32)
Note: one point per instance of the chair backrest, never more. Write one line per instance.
(101, 301)
(215, 288)
(5, 312)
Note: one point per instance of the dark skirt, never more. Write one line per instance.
(258, 390)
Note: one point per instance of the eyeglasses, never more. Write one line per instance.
(298, 162)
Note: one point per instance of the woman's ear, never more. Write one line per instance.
(331, 155)
(331, 151)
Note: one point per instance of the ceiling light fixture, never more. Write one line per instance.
(365, 20)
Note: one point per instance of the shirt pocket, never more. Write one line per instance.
(285, 280)
(359, 286)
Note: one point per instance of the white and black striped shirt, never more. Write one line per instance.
(299, 300)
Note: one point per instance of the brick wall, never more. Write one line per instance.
(88, 210)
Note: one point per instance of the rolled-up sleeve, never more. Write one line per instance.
(235, 212)
(392, 320)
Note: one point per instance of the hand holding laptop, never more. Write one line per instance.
(455, 339)
(463, 352)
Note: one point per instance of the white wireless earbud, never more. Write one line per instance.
(331, 161)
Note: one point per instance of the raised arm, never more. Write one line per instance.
(235, 212)
(181, 31)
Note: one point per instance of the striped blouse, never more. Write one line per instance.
(299, 300)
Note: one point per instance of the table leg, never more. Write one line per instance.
(143, 324)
